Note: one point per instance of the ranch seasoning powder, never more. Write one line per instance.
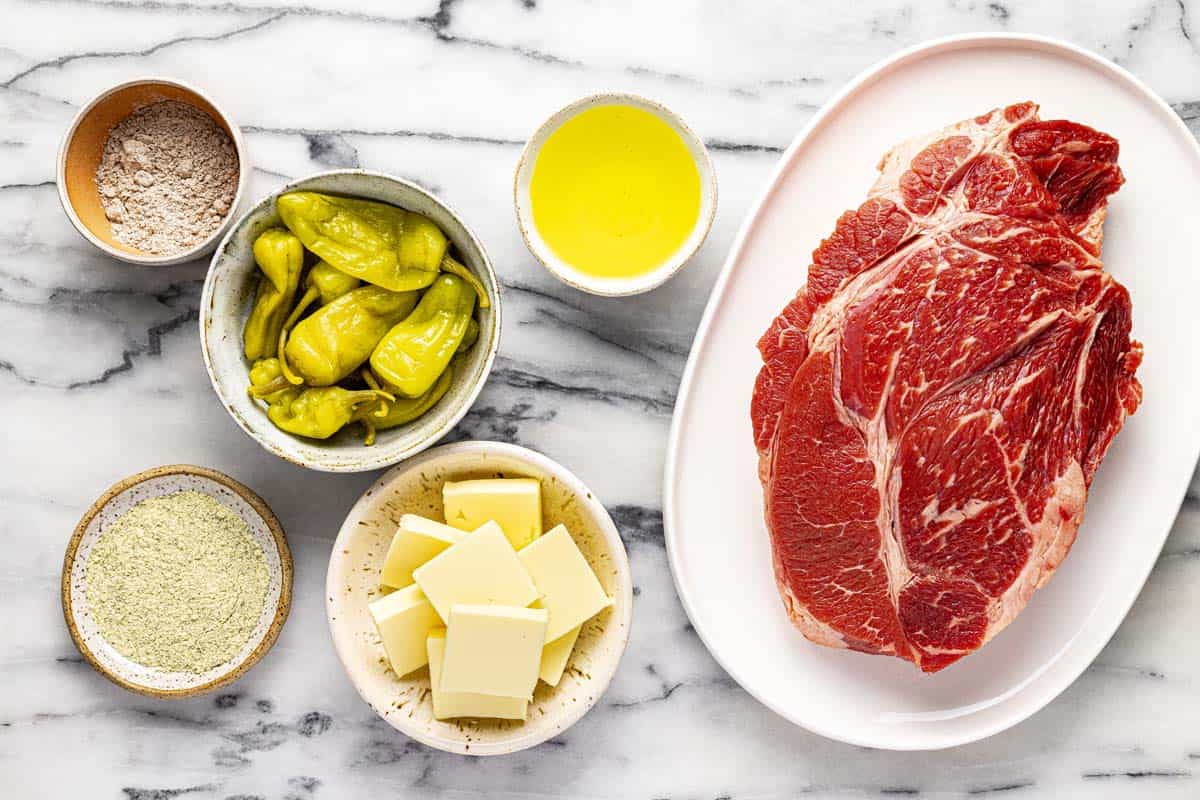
(177, 582)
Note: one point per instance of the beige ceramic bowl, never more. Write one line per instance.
(353, 581)
(614, 287)
(111, 505)
(83, 146)
(229, 294)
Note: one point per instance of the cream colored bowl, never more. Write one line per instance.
(83, 146)
(229, 294)
(614, 287)
(353, 582)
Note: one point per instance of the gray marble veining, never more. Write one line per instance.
(101, 376)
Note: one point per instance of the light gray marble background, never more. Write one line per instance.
(101, 376)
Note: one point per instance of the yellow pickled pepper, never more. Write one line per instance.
(280, 256)
(318, 412)
(336, 339)
(375, 242)
(415, 352)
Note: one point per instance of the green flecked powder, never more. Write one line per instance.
(177, 582)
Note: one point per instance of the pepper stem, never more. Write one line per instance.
(288, 375)
(368, 395)
(305, 301)
(455, 268)
(369, 378)
(261, 391)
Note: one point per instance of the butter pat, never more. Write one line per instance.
(569, 589)
(513, 503)
(448, 705)
(416, 541)
(481, 569)
(555, 656)
(404, 619)
(494, 650)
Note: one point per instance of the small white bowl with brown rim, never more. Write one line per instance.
(82, 149)
(115, 502)
(352, 582)
(609, 286)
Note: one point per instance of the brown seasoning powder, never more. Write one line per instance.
(177, 582)
(167, 177)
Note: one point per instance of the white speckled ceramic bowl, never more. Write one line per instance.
(82, 148)
(353, 582)
(111, 505)
(229, 295)
(565, 272)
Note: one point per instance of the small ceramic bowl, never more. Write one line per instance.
(117, 500)
(83, 146)
(614, 287)
(353, 582)
(229, 294)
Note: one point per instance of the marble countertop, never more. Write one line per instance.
(101, 376)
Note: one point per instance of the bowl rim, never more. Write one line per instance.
(615, 287)
(364, 463)
(286, 570)
(605, 524)
(195, 252)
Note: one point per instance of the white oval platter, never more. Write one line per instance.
(712, 505)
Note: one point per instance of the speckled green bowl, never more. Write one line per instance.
(229, 294)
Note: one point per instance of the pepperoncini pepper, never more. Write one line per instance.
(455, 268)
(266, 380)
(323, 283)
(319, 412)
(336, 339)
(403, 409)
(470, 337)
(376, 242)
(280, 257)
(416, 351)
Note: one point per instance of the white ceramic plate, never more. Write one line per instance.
(713, 507)
(352, 582)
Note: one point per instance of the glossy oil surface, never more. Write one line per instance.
(615, 191)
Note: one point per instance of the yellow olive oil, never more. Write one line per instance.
(615, 191)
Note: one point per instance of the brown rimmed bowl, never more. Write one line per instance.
(83, 147)
(117, 500)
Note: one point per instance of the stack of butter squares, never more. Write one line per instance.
(486, 599)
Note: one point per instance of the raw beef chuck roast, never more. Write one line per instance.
(935, 400)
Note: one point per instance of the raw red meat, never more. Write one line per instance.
(935, 400)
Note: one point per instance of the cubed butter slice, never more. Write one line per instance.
(416, 541)
(555, 656)
(494, 650)
(569, 589)
(481, 569)
(448, 705)
(514, 503)
(404, 619)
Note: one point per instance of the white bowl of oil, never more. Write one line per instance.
(614, 194)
